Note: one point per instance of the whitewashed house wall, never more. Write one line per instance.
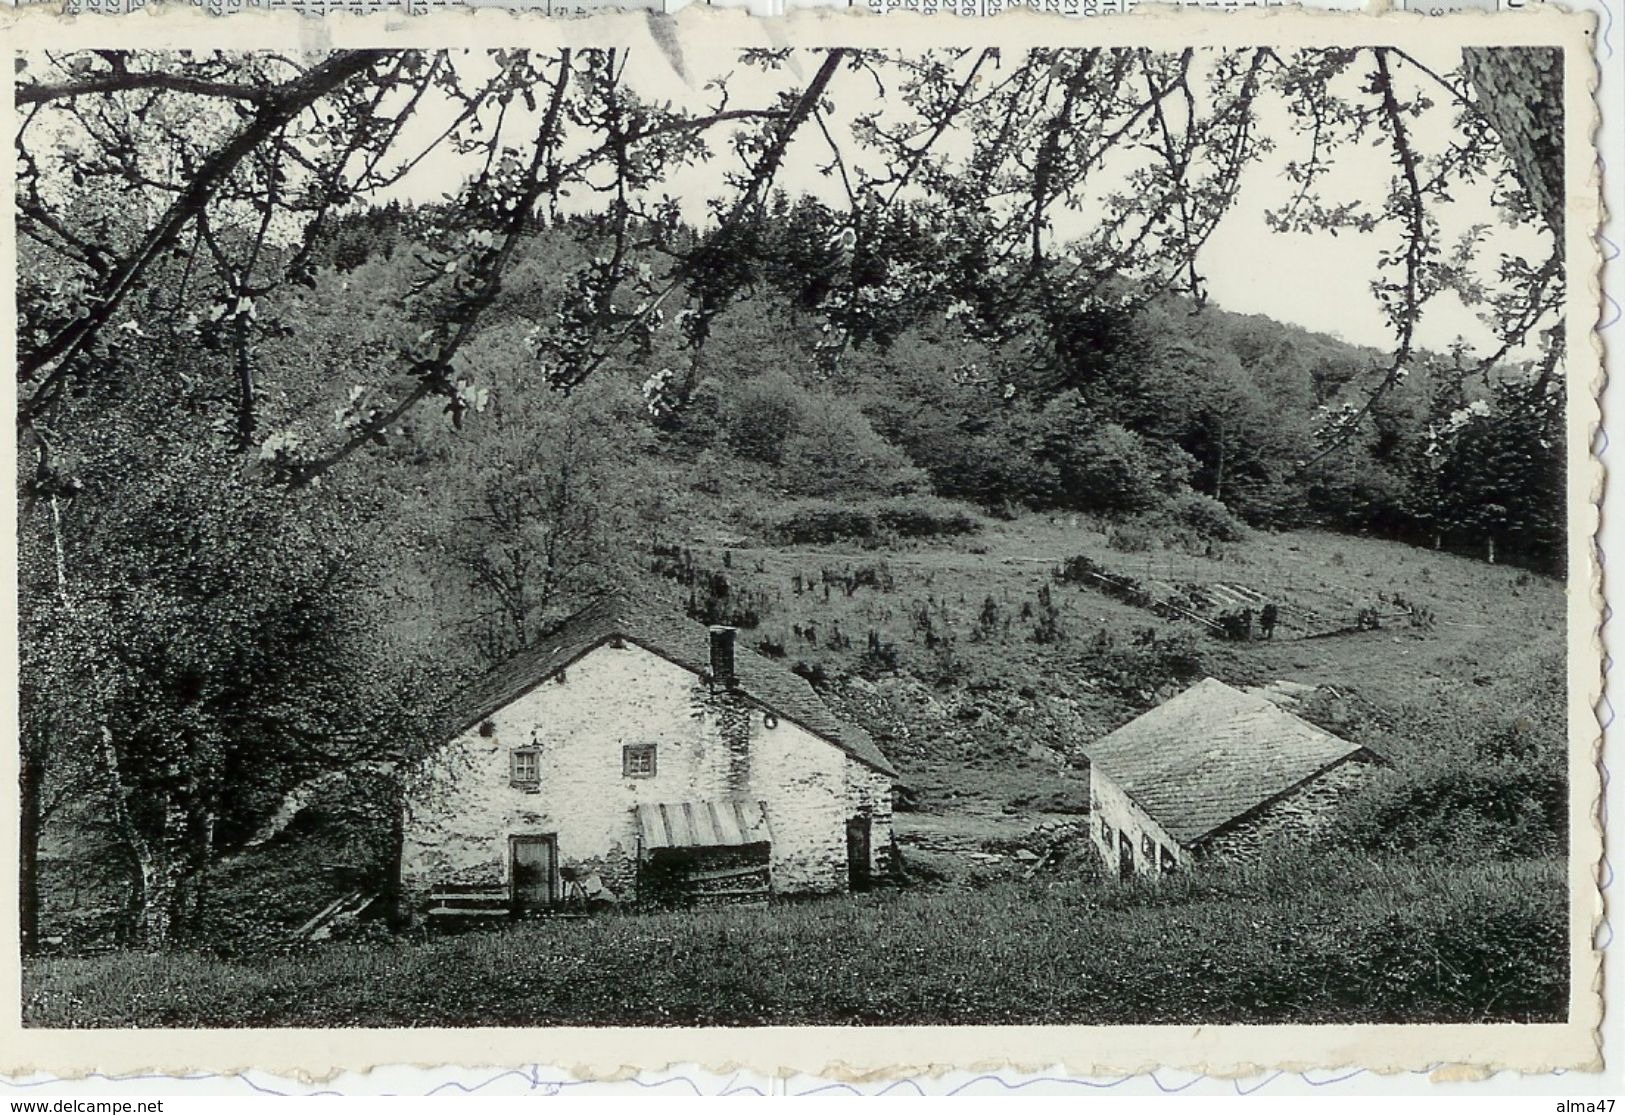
(462, 810)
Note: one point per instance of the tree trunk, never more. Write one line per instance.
(199, 860)
(151, 906)
(30, 786)
(394, 891)
(156, 869)
(1515, 90)
(163, 869)
(119, 807)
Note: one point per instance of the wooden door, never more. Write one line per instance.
(1125, 856)
(858, 853)
(535, 871)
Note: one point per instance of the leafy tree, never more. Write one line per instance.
(198, 646)
(1497, 463)
(544, 507)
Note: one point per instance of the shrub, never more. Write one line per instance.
(1149, 662)
(820, 521)
(1478, 773)
(835, 450)
(879, 657)
(1047, 629)
(1501, 809)
(1109, 469)
(761, 414)
(713, 597)
(1130, 538)
(1236, 624)
(812, 672)
(1080, 569)
(1205, 517)
(926, 516)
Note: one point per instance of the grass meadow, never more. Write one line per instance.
(1310, 939)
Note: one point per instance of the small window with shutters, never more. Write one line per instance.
(525, 768)
(1148, 849)
(1170, 862)
(1106, 833)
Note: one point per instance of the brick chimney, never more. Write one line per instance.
(722, 657)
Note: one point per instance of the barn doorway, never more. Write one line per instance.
(534, 869)
(859, 853)
(1125, 856)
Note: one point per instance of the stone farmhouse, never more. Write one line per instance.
(637, 756)
(1214, 774)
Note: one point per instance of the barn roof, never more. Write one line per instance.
(1212, 754)
(679, 639)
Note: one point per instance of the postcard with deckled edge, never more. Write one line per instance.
(835, 545)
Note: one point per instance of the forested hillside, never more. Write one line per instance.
(1127, 403)
(465, 531)
(963, 435)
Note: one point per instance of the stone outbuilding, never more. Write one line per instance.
(638, 756)
(1214, 774)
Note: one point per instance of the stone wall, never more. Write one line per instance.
(1108, 803)
(462, 808)
(1290, 820)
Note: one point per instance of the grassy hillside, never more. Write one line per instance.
(974, 694)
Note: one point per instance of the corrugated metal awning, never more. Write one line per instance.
(703, 824)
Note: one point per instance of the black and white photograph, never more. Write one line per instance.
(682, 534)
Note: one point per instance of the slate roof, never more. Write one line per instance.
(1212, 754)
(678, 639)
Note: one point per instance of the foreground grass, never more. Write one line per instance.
(1327, 940)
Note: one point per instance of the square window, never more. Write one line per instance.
(638, 760)
(525, 767)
